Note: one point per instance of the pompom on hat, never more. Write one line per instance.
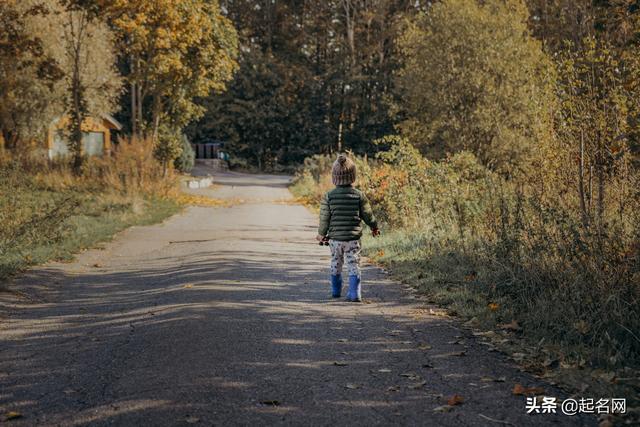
(343, 171)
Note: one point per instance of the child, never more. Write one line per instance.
(341, 213)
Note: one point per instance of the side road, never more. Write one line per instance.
(221, 316)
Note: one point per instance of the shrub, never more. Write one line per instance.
(167, 147)
(187, 158)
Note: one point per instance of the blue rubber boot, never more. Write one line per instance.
(354, 294)
(336, 285)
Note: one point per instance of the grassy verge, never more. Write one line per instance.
(48, 213)
(88, 219)
(453, 281)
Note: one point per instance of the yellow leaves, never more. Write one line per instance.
(581, 326)
(455, 400)
(520, 390)
(493, 306)
(12, 415)
(190, 46)
(513, 326)
(193, 200)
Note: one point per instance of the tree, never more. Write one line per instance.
(186, 160)
(474, 79)
(57, 59)
(594, 119)
(92, 83)
(29, 74)
(177, 52)
(167, 146)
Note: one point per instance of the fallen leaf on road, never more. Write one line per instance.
(518, 357)
(506, 423)
(454, 400)
(410, 375)
(12, 416)
(513, 326)
(519, 390)
(581, 326)
(270, 402)
(188, 286)
(343, 340)
(444, 408)
(352, 386)
(608, 376)
(605, 422)
(340, 363)
(418, 385)
(472, 322)
(495, 380)
(453, 354)
(488, 334)
(424, 347)
(97, 265)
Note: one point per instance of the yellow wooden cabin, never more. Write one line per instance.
(96, 136)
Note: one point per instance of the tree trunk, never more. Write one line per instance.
(134, 119)
(77, 118)
(139, 113)
(133, 92)
(156, 117)
(583, 207)
(77, 108)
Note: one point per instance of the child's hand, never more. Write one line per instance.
(375, 232)
(319, 238)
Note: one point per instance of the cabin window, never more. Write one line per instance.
(60, 147)
(93, 143)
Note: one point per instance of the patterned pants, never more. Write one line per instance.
(341, 250)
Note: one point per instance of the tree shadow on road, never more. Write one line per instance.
(242, 339)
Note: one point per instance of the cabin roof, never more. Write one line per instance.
(116, 124)
(106, 117)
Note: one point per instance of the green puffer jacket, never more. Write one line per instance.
(341, 212)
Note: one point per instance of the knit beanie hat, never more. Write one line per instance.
(343, 171)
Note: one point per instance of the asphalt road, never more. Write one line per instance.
(222, 316)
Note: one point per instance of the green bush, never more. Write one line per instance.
(187, 158)
(168, 146)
